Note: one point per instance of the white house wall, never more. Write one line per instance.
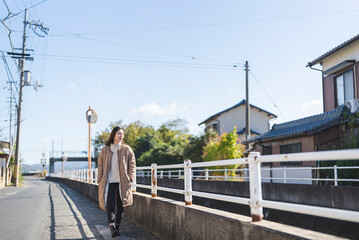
(259, 121)
(351, 52)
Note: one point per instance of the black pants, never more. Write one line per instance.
(114, 204)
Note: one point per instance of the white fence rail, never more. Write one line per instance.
(255, 201)
(280, 174)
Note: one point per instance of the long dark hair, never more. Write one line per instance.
(112, 136)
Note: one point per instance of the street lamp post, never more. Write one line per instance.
(64, 159)
(91, 117)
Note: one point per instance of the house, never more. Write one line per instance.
(333, 129)
(340, 73)
(313, 133)
(3, 155)
(227, 119)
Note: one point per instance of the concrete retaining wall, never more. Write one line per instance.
(343, 197)
(170, 219)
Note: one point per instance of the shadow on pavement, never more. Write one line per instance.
(84, 207)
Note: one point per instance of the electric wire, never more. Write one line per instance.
(14, 15)
(217, 24)
(134, 60)
(275, 105)
(142, 48)
(142, 64)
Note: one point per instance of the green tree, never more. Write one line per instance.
(350, 138)
(162, 146)
(166, 144)
(224, 147)
(194, 149)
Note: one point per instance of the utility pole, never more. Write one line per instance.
(22, 57)
(248, 127)
(22, 67)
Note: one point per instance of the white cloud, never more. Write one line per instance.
(310, 108)
(72, 85)
(155, 109)
(314, 104)
(195, 129)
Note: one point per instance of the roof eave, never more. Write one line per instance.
(334, 50)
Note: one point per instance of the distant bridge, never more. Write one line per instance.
(69, 156)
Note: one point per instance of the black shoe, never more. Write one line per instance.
(112, 228)
(115, 231)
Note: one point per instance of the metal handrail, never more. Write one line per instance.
(255, 201)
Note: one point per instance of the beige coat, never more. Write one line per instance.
(127, 168)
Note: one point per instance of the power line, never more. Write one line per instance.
(215, 24)
(137, 60)
(14, 15)
(144, 64)
(142, 48)
(275, 105)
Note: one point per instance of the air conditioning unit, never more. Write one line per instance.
(353, 105)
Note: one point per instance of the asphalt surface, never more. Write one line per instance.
(43, 209)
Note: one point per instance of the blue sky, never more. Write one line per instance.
(158, 60)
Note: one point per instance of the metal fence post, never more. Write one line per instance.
(255, 187)
(154, 180)
(187, 182)
(96, 173)
(206, 174)
(161, 174)
(179, 174)
(335, 175)
(134, 183)
(284, 175)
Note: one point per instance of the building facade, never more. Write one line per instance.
(340, 73)
(235, 116)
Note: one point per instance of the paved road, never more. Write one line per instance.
(47, 210)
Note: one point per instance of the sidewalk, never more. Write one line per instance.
(49, 210)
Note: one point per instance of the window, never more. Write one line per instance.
(344, 87)
(213, 126)
(290, 148)
(267, 150)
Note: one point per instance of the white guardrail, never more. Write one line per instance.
(255, 201)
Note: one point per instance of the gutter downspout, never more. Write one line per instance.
(355, 81)
(310, 66)
(317, 163)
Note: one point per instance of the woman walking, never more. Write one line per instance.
(116, 171)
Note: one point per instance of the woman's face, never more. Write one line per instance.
(119, 136)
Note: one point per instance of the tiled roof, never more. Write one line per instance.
(244, 130)
(237, 105)
(308, 125)
(337, 48)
